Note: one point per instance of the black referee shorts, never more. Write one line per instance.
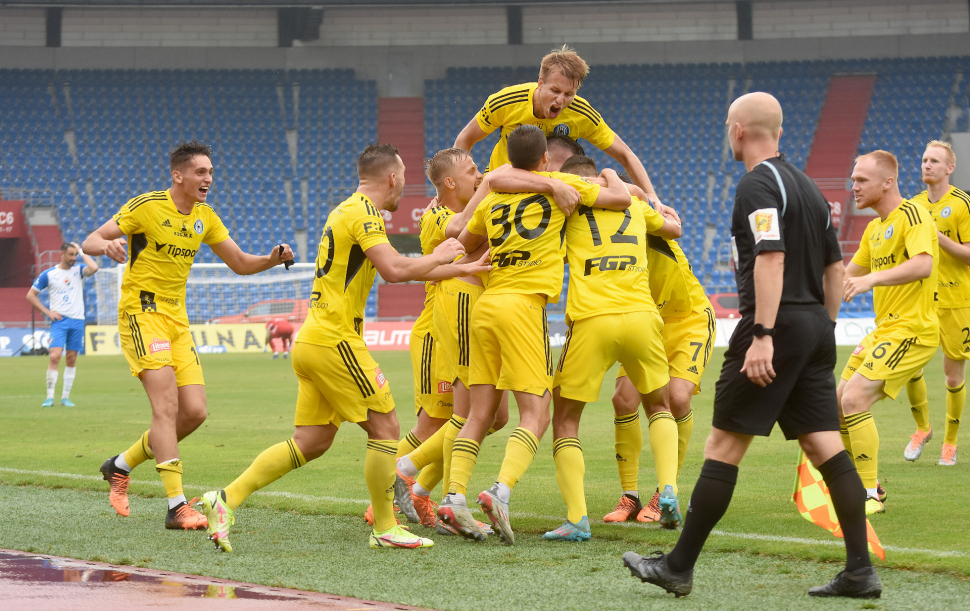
(801, 398)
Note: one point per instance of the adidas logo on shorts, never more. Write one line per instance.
(692, 369)
(869, 365)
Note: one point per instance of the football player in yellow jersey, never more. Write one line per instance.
(163, 231)
(950, 208)
(338, 379)
(509, 335)
(612, 317)
(897, 259)
(551, 104)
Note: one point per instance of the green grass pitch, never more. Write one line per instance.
(305, 530)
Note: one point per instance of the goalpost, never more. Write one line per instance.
(213, 290)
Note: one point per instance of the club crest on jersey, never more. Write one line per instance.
(889, 232)
(946, 212)
(562, 129)
(199, 226)
(185, 227)
(379, 378)
(158, 345)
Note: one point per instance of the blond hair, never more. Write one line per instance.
(567, 62)
(436, 168)
(886, 160)
(951, 156)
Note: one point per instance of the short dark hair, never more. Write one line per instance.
(65, 246)
(622, 175)
(526, 144)
(376, 159)
(580, 165)
(185, 151)
(566, 142)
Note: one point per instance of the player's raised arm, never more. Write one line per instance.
(470, 135)
(394, 267)
(246, 264)
(631, 163)
(615, 195)
(90, 267)
(106, 240)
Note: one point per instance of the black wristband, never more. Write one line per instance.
(760, 330)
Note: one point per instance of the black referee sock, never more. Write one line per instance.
(710, 499)
(849, 501)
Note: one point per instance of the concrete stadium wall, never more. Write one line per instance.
(409, 26)
(168, 28)
(22, 27)
(828, 18)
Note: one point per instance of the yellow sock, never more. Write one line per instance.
(865, 446)
(629, 444)
(430, 451)
(273, 463)
(844, 433)
(955, 400)
(171, 474)
(570, 469)
(685, 428)
(430, 475)
(520, 451)
(463, 459)
(920, 405)
(407, 445)
(379, 466)
(447, 448)
(139, 452)
(663, 442)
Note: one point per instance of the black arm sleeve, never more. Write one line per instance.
(759, 200)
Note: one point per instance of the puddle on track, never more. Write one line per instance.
(38, 582)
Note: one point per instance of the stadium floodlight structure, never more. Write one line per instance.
(214, 291)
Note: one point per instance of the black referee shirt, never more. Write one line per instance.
(778, 207)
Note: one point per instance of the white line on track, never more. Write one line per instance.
(333, 499)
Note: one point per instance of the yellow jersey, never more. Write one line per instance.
(911, 307)
(344, 275)
(162, 243)
(952, 217)
(526, 233)
(673, 284)
(606, 252)
(512, 107)
(432, 225)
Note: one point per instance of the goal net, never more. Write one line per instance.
(215, 292)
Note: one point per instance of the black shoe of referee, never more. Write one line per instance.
(860, 583)
(655, 570)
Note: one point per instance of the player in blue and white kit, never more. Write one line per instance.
(65, 287)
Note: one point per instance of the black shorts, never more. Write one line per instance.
(801, 398)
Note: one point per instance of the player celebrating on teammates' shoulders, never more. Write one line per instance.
(950, 209)
(551, 104)
(65, 289)
(509, 337)
(898, 260)
(338, 378)
(612, 317)
(164, 230)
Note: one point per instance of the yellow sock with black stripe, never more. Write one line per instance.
(430, 451)
(430, 476)
(628, 444)
(663, 442)
(956, 398)
(273, 463)
(407, 445)
(379, 475)
(464, 456)
(685, 428)
(570, 470)
(139, 452)
(865, 446)
(171, 473)
(520, 451)
(844, 433)
(447, 448)
(919, 403)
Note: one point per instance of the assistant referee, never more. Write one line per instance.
(779, 363)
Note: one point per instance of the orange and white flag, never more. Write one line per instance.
(812, 498)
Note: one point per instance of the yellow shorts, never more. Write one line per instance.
(434, 398)
(955, 332)
(510, 343)
(150, 340)
(338, 383)
(594, 344)
(688, 342)
(454, 301)
(893, 360)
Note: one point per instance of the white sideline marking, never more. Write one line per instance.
(333, 499)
